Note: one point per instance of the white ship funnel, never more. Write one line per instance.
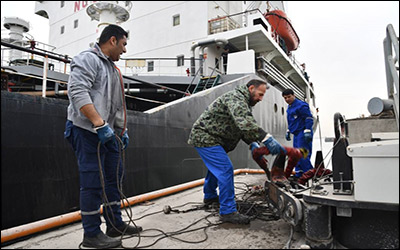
(17, 27)
(109, 12)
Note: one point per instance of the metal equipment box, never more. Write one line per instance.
(376, 171)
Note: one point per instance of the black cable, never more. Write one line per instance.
(107, 205)
(119, 182)
(287, 245)
(255, 211)
(181, 231)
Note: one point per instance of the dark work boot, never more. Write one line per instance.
(235, 218)
(100, 241)
(208, 202)
(112, 232)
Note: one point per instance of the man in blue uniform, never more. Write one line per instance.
(300, 122)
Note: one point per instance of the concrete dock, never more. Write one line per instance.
(189, 224)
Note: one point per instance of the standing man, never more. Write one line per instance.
(96, 117)
(218, 131)
(300, 122)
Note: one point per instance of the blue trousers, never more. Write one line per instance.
(219, 174)
(85, 145)
(304, 164)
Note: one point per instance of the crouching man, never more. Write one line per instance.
(218, 131)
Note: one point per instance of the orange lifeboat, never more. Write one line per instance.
(282, 25)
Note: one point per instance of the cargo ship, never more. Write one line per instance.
(196, 51)
(170, 74)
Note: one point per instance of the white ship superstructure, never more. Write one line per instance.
(190, 38)
(179, 24)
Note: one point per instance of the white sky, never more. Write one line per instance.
(340, 42)
(342, 46)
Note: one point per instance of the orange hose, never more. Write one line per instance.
(42, 225)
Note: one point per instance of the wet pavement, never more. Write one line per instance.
(189, 225)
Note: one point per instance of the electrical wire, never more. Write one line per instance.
(106, 203)
(287, 245)
(253, 209)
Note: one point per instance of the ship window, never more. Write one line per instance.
(62, 3)
(180, 60)
(283, 111)
(275, 107)
(150, 66)
(62, 29)
(75, 23)
(176, 20)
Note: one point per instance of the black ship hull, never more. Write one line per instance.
(39, 171)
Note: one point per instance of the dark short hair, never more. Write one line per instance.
(256, 83)
(110, 31)
(287, 92)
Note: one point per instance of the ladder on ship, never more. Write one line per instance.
(206, 83)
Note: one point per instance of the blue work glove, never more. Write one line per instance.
(105, 133)
(273, 146)
(307, 135)
(288, 135)
(253, 146)
(125, 139)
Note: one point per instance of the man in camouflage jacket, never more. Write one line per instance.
(218, 131)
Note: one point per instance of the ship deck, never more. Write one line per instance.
(200, 228)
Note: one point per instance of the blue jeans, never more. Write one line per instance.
(85, 145)
(219, 174)
(304, 164)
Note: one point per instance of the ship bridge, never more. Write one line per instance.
(273, 62)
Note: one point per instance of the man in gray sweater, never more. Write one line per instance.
(97, 117)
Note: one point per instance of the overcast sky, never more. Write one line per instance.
(340, 42)
(342, 46)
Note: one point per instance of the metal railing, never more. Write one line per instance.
(221, 24)
(230, 22)
(280, 78)
(12, 54)
(46, 55)
(392, 71)
(161, 66)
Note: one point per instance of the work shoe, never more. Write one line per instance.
(235, 218)
(112, 232)
(208, 202)
(100, 241)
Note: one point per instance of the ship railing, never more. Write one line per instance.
(17, 57)
(178, 66)
(222, 24)
(392, 67)
(284, 82)
(49, 60)
(231, 22)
